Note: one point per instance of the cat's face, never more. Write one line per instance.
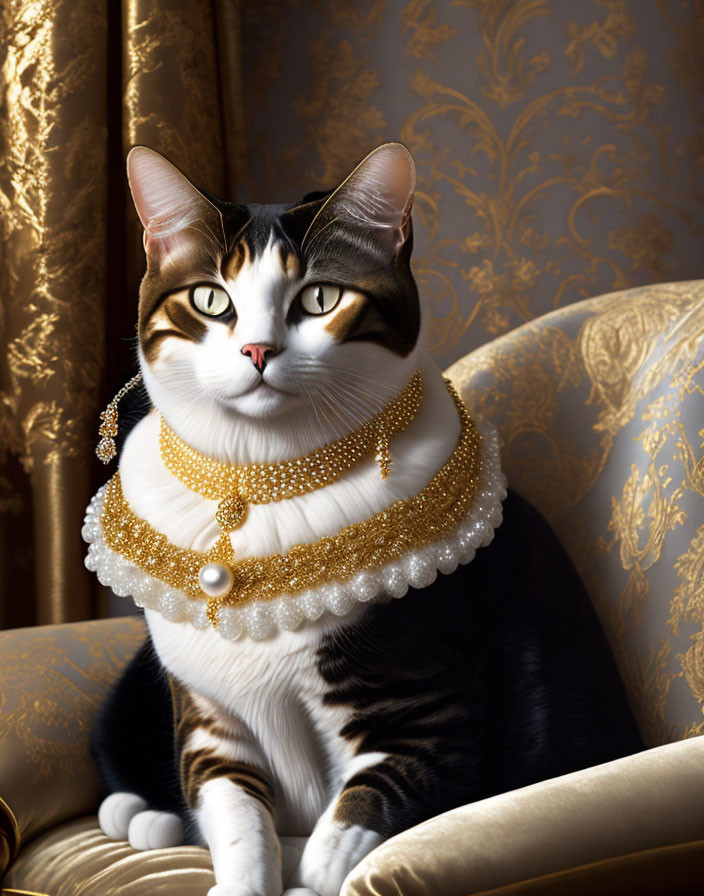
(259, 311)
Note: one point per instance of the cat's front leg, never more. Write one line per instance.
(240, 834)
(333, 850)
(345, 833)
(224, 782)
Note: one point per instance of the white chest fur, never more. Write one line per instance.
(189, 520)
(274, 689)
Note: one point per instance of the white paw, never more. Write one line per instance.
(155, 830)
(117, 811)
(299, 891)
(249, 878)
(331, 853)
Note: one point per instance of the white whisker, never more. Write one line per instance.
(348, 414)
(334, 407)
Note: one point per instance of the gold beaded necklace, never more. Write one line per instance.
(404, 525)
(237, 486)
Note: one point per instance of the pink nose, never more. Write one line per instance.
(258, 351)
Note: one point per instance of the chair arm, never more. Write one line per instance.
(648, 800)
(52, 680)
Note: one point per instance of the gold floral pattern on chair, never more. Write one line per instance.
(53, 680)
(599, 407)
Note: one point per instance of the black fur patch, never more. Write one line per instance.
(492, 678)
(133, 737)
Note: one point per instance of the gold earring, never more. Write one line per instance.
(108, 428)
(383, 455)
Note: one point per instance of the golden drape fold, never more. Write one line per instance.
(53, 197)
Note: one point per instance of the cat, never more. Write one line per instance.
(265, 332)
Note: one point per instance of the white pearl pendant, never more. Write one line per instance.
(215, 579)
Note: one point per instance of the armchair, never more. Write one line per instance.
(599, 406)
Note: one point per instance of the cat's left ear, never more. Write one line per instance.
(377, 196)
(169, 206)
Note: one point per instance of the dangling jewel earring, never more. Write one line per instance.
(383, 455)
(107, 449)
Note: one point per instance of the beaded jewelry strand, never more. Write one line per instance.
(235, 487)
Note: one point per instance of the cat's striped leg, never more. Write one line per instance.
(383, 794)
(230, 795)
(240, 833)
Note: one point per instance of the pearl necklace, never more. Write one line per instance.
(406, 543)
(237, 486)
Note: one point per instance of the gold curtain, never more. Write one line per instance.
(82, 81)
(559, 152)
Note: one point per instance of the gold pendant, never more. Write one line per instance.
(231, 512)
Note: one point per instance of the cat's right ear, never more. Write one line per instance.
(169, 206)
(376, 197)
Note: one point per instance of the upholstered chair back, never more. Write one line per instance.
(600, 409)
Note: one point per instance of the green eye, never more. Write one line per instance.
(320, 299)
(210, 300)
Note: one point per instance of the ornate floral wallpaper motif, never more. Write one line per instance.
(559, 145)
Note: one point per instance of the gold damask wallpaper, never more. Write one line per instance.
(559, 144)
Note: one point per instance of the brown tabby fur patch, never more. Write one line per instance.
(239, 257)
(290, 263)
(357, 805)
(346, 321)
(198, 766)
(360, 320)
(172, 318)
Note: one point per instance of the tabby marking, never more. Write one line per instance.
(202, 737)
(173, 318)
